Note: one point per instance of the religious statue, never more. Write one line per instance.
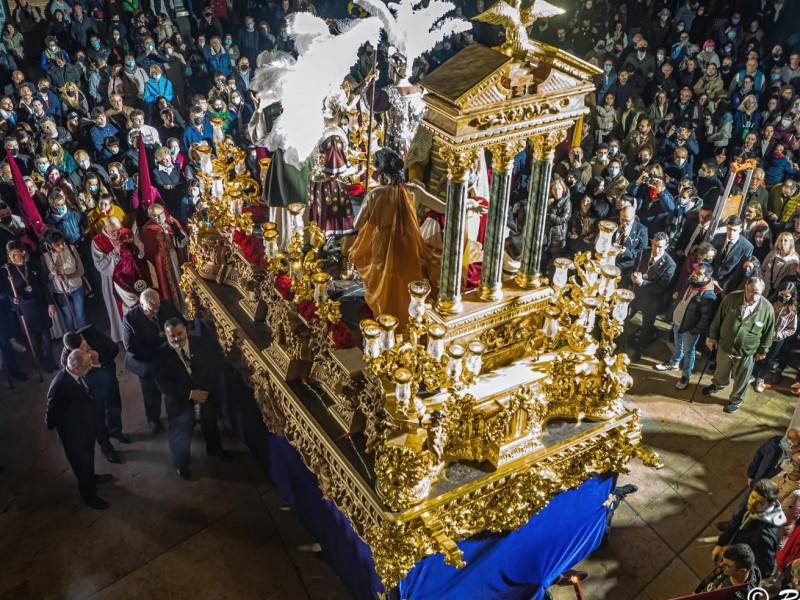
(164, 242)
(389, 250)
(434, 443)
(329, 203)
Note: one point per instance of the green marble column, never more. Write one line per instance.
(538, 192)
(491, 284)
(458, 167)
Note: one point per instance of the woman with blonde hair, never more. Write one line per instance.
(746, 119)
(60, 157)
(780, 264)
(72, 99)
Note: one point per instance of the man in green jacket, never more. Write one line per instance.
(741, 331)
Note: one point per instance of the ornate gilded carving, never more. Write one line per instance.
(544, 144)
(519, 114)
(459, 164)
(503, 154)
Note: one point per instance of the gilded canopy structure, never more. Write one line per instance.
(487, 404)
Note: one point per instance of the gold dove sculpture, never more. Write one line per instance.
(516, 20)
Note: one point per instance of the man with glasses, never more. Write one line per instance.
(741, 332)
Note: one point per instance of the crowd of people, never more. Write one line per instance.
(103, 112)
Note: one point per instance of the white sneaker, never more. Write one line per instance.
(759, 386)
(17, 346)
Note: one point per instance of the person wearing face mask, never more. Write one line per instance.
(785, 307)
(657, 31)
(168, 180)
(741, 332)
(766, 463)
(98, 216)
(190, 203)
(780, 168)
(692, 311)
(187, 373)
(199, 129)
(156, 86)
(136, 74)
(164, 242)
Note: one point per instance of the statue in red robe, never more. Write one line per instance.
(164, 242)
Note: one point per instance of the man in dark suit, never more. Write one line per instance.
(142, 336)
(71, 412)
(651, 285)
(102, 379)
(693, 232)
(732, 250)
(187, 373)
(632, 237)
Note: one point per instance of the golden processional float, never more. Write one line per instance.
(455, 425)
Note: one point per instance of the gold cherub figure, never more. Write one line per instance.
(516, 20)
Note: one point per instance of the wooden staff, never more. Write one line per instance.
(24, 323)
(60, 278)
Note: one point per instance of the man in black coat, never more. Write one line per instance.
(692, 311)
(142, 336)
(103, 383)
(732, 250)
(651, 285)
(758, 526)
(631, 236)
(71, 412)
(187, 373)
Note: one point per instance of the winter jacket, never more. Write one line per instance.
(785, 321)
(761, 533)
(699, 311)
(712, 86)
(71, 225)
(718, 580)
(779, 168)
(218, 61)
(776, 269)
(559, 213)
(605, 119)
(743, 338)
(783, 207)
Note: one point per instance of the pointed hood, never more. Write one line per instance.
(27, 208)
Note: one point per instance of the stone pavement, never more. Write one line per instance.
(660, 544)
(225, 535)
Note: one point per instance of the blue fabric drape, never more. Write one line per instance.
(517, 565)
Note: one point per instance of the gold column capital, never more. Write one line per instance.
(458, 163)
(503, 154)
(544, 144)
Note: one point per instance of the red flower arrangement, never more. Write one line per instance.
(283, 285)
(343, 337)
(251, 246)
(308, 310)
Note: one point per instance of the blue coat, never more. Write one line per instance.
(778, 170)
(70, 225)
(153, 89)
(218, 62)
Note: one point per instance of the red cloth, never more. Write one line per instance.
(27, 207)
(102, 241)
(157, 245)
(131, 273)
(790, 551)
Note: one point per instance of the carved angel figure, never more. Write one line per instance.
(516, 20)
